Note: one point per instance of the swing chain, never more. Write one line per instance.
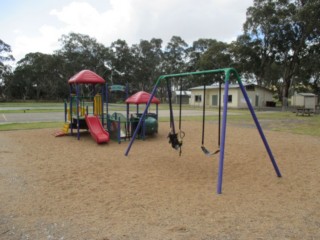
(181, 135)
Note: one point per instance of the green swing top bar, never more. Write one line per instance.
(227, 72)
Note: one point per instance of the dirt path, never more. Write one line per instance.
(61, 188)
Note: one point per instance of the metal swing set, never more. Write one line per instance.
(176, 138)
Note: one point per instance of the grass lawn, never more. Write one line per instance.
(276, 121)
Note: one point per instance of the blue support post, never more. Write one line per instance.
(128, 131)
(223, 136)
(78, 121)
(275, 166)
(107, 109)
(70, 87)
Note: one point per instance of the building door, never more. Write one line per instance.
(257, 101)
(214, 100)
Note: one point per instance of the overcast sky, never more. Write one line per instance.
(36, 25)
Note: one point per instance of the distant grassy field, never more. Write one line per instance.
(275, 121)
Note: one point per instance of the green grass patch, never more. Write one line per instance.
(24, 126)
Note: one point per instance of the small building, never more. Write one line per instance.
(185, 96)
(259, 96)
(304, 100)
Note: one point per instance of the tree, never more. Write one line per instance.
(121, 62)
(175, 56)
(282, 33)
(5, 53)
(38, 76)
(148, 57)
(5, 70)
(82, 52)
(207, 54)
(196, 51)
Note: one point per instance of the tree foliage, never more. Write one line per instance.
(38, 76)
(282, 34)
(5, 69)
(279, 49)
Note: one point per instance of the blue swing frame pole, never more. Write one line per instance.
(223, 135)
(70, 108)
(265, 142)
(78, 102)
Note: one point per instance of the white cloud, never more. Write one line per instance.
(45, 42)
(133, 20)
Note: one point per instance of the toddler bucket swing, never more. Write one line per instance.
(175, 139)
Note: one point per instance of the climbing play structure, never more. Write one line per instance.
(88, 109)
(80, 106)
(175, 137)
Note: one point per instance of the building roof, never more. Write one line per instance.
(214, 86)
(142, 97)
(86, 77)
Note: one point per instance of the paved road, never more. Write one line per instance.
(59, 116)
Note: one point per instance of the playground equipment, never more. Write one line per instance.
(150, 120)
(121, 127)
(87, 112)
(96, 129)
(64, 131)
(227, 74)
(78, 113)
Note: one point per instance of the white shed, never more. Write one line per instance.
(306, 100)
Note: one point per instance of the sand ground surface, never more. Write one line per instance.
(62, 188)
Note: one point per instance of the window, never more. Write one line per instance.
(197, 98)
(229, 98)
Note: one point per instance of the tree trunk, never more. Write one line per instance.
(285, 94)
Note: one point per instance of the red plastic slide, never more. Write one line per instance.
(96, 129)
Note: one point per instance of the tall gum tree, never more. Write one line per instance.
(283, 32)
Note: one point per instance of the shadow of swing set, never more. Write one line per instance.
(175, 138)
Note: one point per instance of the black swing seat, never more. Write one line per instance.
(207, 152)
(173, 140)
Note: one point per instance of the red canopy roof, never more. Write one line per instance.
(86, 77)
(142, 97)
